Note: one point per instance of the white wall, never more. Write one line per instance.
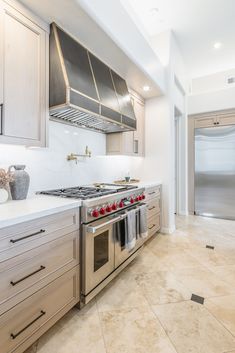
(159, 160)
(211, 93)
(48, 168)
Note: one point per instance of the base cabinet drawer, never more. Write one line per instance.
(153, 207)
(154, 224)
(151, 192)
(24, 320)
(23, 237)
(20, 277)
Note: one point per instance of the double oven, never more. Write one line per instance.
(104, 253)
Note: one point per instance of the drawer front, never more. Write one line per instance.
(22, 321)
(29, 272)
(154, 225)
(26, 236)
(153, 191)
(153, 207)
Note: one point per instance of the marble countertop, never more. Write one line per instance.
(147, 184)
(13, 212)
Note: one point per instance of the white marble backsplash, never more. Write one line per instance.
(48, 167)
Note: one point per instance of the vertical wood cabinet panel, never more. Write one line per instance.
(24, 84)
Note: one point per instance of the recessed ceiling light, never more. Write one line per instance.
(146, 88)
(154, 10)
(217, 45)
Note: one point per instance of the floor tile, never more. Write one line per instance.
(201, 281)
(227, 273)
(134, 331)
(162, 287)
(193, 329)
(223, 308)
(122, 292)
(74, 333)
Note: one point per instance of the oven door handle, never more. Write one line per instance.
(111, 221)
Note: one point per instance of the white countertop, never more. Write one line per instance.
(13, 212)
(147, 184)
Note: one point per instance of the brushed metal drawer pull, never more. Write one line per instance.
(27, 236)
(25, 277)
(152, 226)
(150, 209)
(14, 335)
(153, 192)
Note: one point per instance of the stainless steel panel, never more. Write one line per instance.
(215, 172)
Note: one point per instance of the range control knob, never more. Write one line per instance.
(137, 198)
(121, 204)
(114, 206)
(143, 196)
(95, 213)
(102, 211)
(131, 200)
(108, 208)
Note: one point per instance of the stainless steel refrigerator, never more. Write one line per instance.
(215, 172)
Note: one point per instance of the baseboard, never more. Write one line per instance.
(166, 230)
(183, 213)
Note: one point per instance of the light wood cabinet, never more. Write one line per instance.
(23, 77)
(214, 120)
(153, 201)
(39, 276)
(129, 143)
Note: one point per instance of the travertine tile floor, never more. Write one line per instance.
(147, 309)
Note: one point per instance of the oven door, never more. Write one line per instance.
(121, 253)
(97, 252)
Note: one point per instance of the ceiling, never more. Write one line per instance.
(197, 25)
(70, 16)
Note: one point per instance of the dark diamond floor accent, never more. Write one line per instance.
(210, 247)
(197, 299)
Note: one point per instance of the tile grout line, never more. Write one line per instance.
(220, 323)
(160, 323)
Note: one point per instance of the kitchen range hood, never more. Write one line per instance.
(84, 91)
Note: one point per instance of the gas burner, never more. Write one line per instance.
(87, 192)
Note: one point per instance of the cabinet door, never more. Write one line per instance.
(139, 133)
(205, 122)
(24, 84)
(226, 120)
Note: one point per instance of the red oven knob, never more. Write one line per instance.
(95, 213)
(108, 208)
(143, 196)
(137, 198)
(131, 200)
(121, 204)
(114, 206)
(102, 211)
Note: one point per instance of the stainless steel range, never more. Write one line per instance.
(104, 210)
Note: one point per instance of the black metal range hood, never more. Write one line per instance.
(84, 91)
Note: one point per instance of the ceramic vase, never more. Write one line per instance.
(20, 185)
(3, 195)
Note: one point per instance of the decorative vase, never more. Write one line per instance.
(3, 195)
(20, 185)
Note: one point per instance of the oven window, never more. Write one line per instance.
(101, 250)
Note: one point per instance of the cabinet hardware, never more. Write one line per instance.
(151, 193)
(152, 226)
(150, 209)
(14, 335)
(217, 123)
(31, 274)
(27, 236)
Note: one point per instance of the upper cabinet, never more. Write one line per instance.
(130, 143)
(214, 119)
(23, 76)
